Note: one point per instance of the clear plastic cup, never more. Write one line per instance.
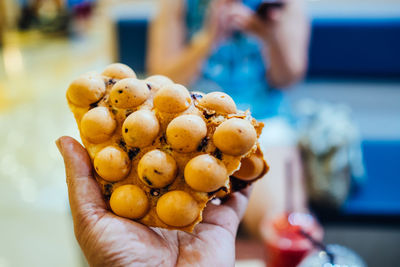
(285, 244)
(334, 256)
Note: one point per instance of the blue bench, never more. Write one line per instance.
(355, 47)
(380, 195)
(339, 47)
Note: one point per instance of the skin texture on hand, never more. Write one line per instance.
(109, 240)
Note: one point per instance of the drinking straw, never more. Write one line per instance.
(289, 205)
(318, 244)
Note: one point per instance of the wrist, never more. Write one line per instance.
(204, 40)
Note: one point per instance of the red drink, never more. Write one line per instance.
(284, 243)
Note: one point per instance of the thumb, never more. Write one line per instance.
(85, 198)
(229, 214)
(76, 159)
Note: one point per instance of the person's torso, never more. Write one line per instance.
(236, 66)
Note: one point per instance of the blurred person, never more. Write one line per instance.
(109, 240)
(223, 45)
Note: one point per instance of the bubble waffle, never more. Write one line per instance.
(161, 153)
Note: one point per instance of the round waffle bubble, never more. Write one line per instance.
(160, 152)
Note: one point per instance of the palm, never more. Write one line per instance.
(109, 240)
(115, 241)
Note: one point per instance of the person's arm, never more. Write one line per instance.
(287, 46)
(285, 36)
(168, 53)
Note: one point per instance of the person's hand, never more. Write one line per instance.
(244, 19)
(109, 240)
(216, 25)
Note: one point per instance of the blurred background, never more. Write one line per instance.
(346, 114)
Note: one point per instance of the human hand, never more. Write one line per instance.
(244, 19)
(217, 25)
(109, 240)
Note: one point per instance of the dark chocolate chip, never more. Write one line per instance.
(196, 96)
(126, 130)
(158, 172)
(111, 82)
(108, 188)
(203, 144)
(116, 101)
(218, 154)
(133, 152)
(122, 144)
(206, 115)
(147, 180)
(163, 139)
(120, 91)
(155, 192)
(114, 111)
(148, 86)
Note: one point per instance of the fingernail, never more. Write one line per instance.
(59, 145)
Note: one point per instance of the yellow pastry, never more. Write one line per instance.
(160, 152)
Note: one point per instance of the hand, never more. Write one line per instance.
(244, 19)
(109, 240)
(217, 26)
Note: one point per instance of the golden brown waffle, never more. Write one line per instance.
(162, 153)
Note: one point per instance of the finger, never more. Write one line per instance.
(76, 159)
(241, 9)
(274, 14)
(236, 25)
(238, 201)
(237, 19)
(86, 201)
(242, 24)
(236, 14)
(229, 214)
(222, 216)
